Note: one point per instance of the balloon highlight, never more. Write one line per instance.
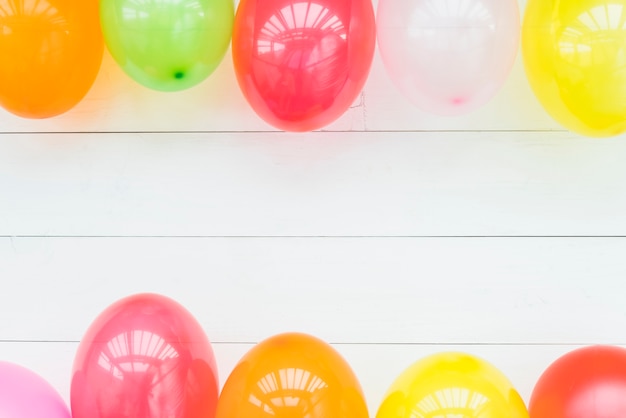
(589, 382)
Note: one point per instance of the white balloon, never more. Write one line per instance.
(448, 57)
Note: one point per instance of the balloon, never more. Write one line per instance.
(50, 52)
(292, 376)
(24, 394)
(452, 385)
(574, 53)
(144, 357)
(302, 63)
(588, 382)
(448, 57)
(167, 45)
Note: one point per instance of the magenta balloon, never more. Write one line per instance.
(24, 394)
(144, 357)
(448, 57)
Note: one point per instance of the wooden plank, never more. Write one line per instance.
(345, 290)
(375, 365)
(409, 184)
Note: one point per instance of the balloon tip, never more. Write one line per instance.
(457, 101)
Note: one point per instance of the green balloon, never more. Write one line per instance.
(167, 45)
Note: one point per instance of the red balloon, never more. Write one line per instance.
(302, 63)
(144, 357)
(585, 383)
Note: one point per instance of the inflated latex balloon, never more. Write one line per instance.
(50, 55)
(302, 63)
(589, 382)
(167, 45)
(24, 394)
(292, 376)
(452, 385)
(448, 57)
(575, 53)
(144, 357)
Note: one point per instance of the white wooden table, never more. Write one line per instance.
(391, 233)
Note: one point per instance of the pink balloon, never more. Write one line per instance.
(302, 63)
(24, 394)
(448, 57)
(145, 356)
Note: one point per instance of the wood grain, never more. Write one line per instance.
(344, 290)
(320, 184)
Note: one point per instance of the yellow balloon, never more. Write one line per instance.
(575, 57)
(452, 385)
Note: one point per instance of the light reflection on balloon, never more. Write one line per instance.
(575, 58)
(588, 382)
(302, 63)
(288, 387)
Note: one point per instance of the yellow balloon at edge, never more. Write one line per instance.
(452, 385)
(575, 58)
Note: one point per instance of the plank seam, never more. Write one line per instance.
(286, 133)
(314, 236)
(414, 344)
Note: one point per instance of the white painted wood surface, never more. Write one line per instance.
(318, 184)
(344, 290)
(391, 234)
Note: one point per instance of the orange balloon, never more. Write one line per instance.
(50, 54)
(292, 376)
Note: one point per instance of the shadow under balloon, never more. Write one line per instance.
(293, 390)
